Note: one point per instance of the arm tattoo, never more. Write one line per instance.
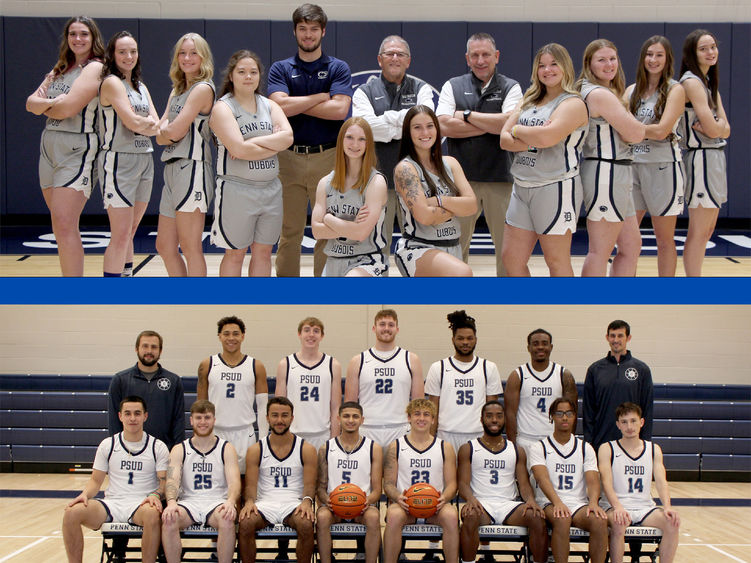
(390, 473)
(410, 184)
(323, 475)
(173, 482)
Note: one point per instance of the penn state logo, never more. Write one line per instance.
(198, 196)
(322, 74)
(631, 374)
(164, 384)
(603, 208)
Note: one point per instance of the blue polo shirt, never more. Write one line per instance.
(296, 77)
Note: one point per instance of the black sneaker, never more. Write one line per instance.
(487, 557)
(432, 556)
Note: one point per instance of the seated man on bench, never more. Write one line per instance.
(137, 466)
(627, 467)
(204, 470)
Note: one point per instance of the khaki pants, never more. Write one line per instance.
(492, 199)
(300, 174)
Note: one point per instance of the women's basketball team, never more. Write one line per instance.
(622, 151)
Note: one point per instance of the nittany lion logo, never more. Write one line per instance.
(631, 374)
(164, 384)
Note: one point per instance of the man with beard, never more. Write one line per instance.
(568, 484)
(530, 389)
(461, 384)
(315, 92)
(280, 481)
(492, 473)
(161, 389)
(383, 379)
(233, 381)
(203, 486)
(383, 101)
(350, 458)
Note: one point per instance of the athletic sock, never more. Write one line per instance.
(128, 270)
(111, 275)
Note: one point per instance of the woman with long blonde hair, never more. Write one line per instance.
(546, 133)
(350, 207)
(188, 170)
(606, 169)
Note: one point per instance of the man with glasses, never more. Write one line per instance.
(383, 101)
(472, 110)
(568, 484)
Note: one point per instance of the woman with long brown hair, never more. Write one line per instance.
(350, 207)
(68, 98)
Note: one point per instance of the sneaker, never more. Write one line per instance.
(282, 556)
(432, 556)
(487, 557)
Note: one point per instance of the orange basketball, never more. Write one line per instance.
(422, 499)
(347, 500)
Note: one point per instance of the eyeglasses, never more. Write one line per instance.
(561, 414)
(392, 54)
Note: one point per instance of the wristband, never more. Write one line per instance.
(513, 131)
(157, 495)
(309, 498)
(438, 199)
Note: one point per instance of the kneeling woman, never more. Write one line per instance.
(350, 206)
(127, 119)
(547, 133)
(251, 130)
(432, 192)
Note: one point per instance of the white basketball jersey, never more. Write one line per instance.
(233, 391)
(537, 391)
(309, 390)
(415, 466)
(203, 474)
(462, 389)
(385, 387)
(132, 474)
(349, 467)
(632, 477)
(493, 473)
(280, 480)
(566, 470)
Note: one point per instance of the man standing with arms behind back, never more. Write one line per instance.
(162, 390)
(383, 101)
(472, 110)
(615, 379)
(314, 90)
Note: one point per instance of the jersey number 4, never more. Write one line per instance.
(541, 406)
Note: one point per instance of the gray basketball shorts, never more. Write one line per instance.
(408, 252)
(607, 190)
(658, 187)
(68, 160)
(551, 209)
(244, 214)
(706, 178)
(188, 185)
(374, 264)
(125, 177)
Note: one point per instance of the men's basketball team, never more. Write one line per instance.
(414, 453)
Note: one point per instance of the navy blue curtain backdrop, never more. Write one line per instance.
(28, 48)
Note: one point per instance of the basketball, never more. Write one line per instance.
(422, 500)
(347, 500)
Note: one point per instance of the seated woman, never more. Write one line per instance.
(350, 206)
(432, 192)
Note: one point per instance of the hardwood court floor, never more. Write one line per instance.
(483, 265)
(30, 527)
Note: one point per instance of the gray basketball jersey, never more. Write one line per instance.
(650, 150)
(443, 234)
(82, 122)
(537, 390)
(309, 390)
(203, 474)
(195, 145)
(493, 473)
(419, 466)
(346, 206)
(114, 135)
(349, 467)
(690, 137)
(632, 477)
(233, 391)
(251, 125)
(538, 167)
(603, 141)
(280, 480)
